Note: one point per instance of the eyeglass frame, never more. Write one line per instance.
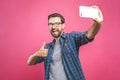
(56, 24)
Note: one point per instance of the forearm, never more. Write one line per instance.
(94, 29)
(32, 59)
(91, 33)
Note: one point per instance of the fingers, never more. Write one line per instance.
(45, 52)
(100, 16)
(42, 52)
(94, 6)
(98, 19)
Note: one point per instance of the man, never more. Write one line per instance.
(60, 56)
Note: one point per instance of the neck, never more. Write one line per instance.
(57, 39)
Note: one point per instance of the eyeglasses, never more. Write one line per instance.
(56, 24)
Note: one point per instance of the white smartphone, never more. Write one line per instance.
(88, 12)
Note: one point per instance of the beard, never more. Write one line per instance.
(56, 33)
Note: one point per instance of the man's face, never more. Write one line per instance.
(55, 26)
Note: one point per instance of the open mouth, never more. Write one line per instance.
(54, 31)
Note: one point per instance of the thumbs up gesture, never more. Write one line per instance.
(42, 52)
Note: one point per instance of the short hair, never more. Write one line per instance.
(57, 15)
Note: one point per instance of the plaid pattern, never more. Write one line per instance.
(70, 43)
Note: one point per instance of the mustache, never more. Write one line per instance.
(54, 30)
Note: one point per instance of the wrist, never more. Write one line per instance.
(98, 22)
(36, 54)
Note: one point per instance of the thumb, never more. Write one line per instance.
(43, 45)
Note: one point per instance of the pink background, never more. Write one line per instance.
(23, 28)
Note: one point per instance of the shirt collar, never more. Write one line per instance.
(63, 35)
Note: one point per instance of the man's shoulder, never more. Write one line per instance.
(49, 44)
(73, 33)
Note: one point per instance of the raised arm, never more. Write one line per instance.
(94, 29)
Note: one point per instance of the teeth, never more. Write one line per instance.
(54, 31)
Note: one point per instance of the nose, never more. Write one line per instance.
(54, 26)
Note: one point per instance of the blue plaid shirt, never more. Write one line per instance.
(70, 43)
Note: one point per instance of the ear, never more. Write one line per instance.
(63, 25)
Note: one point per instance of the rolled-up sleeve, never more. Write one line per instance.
(39, 60)
(81, 38)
